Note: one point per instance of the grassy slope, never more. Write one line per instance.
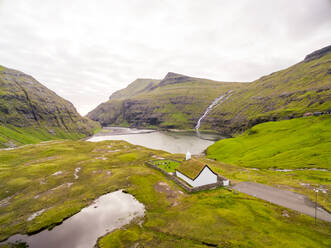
(16, 136)
(176, 105)
(291, 144)
(300, 181)
(301, 88)
(297, 143)
(191, 168)
(192, 99)
(30, 112)
(172, 219)
(135, 88)
(304, 87)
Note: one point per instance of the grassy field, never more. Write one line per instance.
(27, 182)
(173, 218)
(166, 164)
(300, 181)
(291, 144)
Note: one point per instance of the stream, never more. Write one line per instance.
(219, 99)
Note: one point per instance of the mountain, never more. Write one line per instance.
(304, 87)
(30, 112)
(178, 101)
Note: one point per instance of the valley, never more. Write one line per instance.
(55, 163)
(178, 101)
(165, 124)
(35, 184)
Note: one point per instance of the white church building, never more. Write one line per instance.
(193, 174)
(204, 177)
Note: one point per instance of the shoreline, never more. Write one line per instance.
(117, 130)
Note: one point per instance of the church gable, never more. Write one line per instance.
(204, 177)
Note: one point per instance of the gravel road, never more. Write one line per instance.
(283, 198)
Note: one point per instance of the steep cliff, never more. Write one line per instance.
(27, 104)
(178, 101)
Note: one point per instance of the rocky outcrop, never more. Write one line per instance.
(175, 78)
(24, 102)
(318, 54)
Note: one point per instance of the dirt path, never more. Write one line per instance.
(283, 198)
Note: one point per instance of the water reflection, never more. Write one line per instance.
(173, 142)
(107, 213)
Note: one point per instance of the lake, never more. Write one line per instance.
(107, 213)
(173, 142)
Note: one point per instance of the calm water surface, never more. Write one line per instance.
(109, 212)
(173, 142)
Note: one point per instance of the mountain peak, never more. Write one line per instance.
(174, 78)
(318, 54)
(173, 75)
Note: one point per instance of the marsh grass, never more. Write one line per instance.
(173, 218)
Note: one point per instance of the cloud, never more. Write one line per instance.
(85, 50)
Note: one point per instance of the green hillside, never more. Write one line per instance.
(178, 101)
(11, 136)
(290, 144)
(30, 112)
(136, 87)
(304, 87)
(291, 154)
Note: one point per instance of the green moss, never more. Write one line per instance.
(191, 168)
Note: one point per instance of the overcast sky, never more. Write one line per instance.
(85, 50)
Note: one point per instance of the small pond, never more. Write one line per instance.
(109, 212)
(173, 142)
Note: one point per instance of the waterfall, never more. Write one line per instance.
(219, 99)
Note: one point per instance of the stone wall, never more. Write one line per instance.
(182, 184)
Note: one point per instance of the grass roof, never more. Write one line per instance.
(191, 168)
